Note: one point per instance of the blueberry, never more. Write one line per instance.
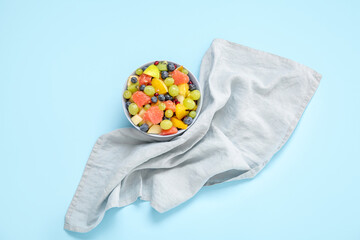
(154, 99)
(161, 97)
(164, 74)
(171, 67)
(144, 127)
(187, 120)
(127, 104)
(192, 87)
(144, 68)
(134, 79)
(142, 87)
(168, 97)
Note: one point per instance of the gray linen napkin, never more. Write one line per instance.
(253, 100)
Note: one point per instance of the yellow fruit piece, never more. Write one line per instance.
(159, 86)
(141, 112)
(183, 88)
(194, 108)
(180, 111)
(180, 68)
(131, 99)
(187, 93)
(178, 123)
(153, 71)
(155, 129)
(136, 119)
(149, 123)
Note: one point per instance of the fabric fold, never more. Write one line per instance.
(252, 102)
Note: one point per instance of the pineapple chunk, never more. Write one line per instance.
(136, 119)
(181, 111)
(178, 123)
(141, 113)
(149, 123)
(183, 88)
(155, 129)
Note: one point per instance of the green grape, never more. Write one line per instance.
(195, 95)
(169, 81)
(133, 87)
(192, 114)
(169, 113)
(166, 124)
(174, 90)
(147, 106)
(185, 71)
(139, 71)
(149, 90)
(189, 103)
(127, 94)
(133, 109)
(162, 106)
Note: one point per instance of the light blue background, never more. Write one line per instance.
(62, 68)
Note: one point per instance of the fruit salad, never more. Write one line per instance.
(161, 98)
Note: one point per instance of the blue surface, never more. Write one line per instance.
(62, 68)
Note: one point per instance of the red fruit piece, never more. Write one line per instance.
(172, 130)
(153, 115)
(179, 77)
(140, 98)
(144, 79)
(170, 105)
(156, 63)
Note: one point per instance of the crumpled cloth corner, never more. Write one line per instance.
(252, 102)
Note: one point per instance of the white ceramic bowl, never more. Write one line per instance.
(166, 137)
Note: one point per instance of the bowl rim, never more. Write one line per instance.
(180, 132)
